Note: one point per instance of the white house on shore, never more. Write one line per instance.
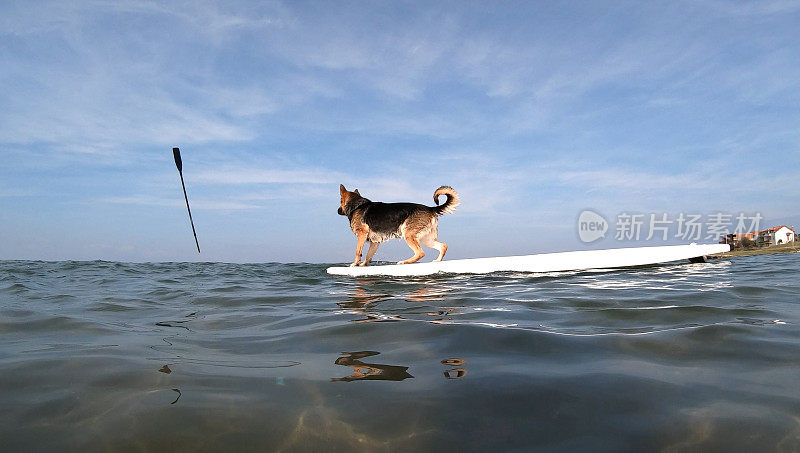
(775, 235)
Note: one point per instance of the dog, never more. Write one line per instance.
(377, 222)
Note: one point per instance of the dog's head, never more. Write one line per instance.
(347, 197)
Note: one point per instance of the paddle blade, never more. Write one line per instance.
(177, 154)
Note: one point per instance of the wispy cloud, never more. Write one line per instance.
(200, 204)
(15, 192)
(763, 8)
(249, 175)
(167, 97)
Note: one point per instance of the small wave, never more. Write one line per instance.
(15, 288)
(229, 363)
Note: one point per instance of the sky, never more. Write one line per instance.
(533, 111)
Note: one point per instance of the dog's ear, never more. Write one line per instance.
(342, 190)
(356, 192)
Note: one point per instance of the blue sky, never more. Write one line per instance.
(533, 111)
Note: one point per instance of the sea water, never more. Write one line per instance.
(282, 357)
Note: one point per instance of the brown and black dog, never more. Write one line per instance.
(377, 222)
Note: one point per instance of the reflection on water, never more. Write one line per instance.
(426, 293)
(360, 297)
(178, 397)
(370, 371)
(364, 299)
(454, 373)
(453, 362)
(359, 301)
(381, 372)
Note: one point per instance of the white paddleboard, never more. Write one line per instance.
(545, 262)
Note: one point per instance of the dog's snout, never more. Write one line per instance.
(339, 211)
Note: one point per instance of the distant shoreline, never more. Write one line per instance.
(792, 247)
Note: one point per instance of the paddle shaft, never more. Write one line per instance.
(179, 163)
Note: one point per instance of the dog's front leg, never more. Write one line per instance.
(359, 245)
(373, 247)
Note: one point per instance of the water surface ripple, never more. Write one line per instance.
(282, 357)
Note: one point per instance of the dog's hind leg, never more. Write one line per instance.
(418, 253)
(441, 247)
(373, 247)
(430, 241)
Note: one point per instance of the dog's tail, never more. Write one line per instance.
(450, 204)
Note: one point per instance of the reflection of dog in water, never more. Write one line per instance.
(370, 371)
(455, 373)
(377, 372)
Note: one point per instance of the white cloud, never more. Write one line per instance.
(134, 87)
(760, 8)
(254, 175)
(209, 205)
(16, 192)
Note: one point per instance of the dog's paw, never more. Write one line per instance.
(353, 264)
(401, 262)
(361, 264)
